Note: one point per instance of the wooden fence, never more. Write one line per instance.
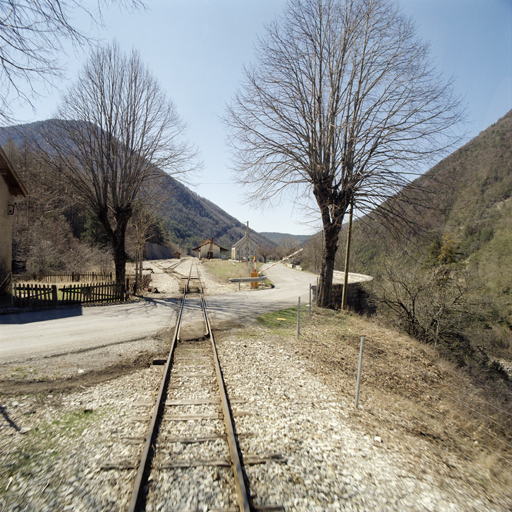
(101, 292)
(34, 295)
(45, 296)
(5, 290)
(66, 277)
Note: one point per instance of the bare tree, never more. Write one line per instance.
(343, 104)
(427, 302)
(32, 35)
(146, 208)
(116, 131)
(265, 250)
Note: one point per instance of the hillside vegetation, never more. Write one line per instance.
(183, 219)
(453, 251)
(466, 198)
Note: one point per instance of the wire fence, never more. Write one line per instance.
(478, 420)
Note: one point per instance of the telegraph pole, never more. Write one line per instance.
(347, 255)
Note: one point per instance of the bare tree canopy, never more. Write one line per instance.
(32, 35)
(343, 103)
(116, 130)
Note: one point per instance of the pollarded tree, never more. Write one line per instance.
(116, 130)
(343, 104)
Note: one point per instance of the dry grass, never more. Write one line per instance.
(416, 402)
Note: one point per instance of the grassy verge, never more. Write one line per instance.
(223, 270)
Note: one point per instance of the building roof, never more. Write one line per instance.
(16, 187)
(246, 239)
(208, 242)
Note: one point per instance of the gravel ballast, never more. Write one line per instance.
(55, 448)
(75, 450)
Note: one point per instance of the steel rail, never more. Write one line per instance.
(244, 503)
(139, 492)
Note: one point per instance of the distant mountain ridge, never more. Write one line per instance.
(189, 218)
(277, 238)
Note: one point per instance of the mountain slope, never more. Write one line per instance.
(466, 201)
(277, 238)
(188, 218)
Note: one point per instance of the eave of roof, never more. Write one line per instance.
(208, 242)
(16, 187)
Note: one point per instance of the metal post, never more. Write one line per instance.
(310, 286)
(359, 371)
(298, 320)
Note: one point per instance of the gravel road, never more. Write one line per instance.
(32, 335)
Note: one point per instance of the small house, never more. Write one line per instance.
(10, 187)
(209, 250)
(245, 248)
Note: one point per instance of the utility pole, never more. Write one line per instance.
(347, 256)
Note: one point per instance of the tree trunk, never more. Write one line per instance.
(119, 258)
(117, 238)
(324, 296)
(332, 211)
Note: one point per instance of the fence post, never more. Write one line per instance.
(359, 371)
(310, 299)
(54, 294)
(298, 319)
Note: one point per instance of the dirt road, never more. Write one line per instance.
(32, 335)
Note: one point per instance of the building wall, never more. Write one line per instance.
(243, 249)
(5, 231)
(205, 249)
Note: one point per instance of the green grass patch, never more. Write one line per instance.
(280, 321)
(42, 445)
(224, 269)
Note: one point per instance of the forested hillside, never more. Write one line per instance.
(278, 238)
(463, 206)
(183, 218)
(445, 272)
(189, 219)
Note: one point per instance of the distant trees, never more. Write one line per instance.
(286, 247)
(32, 34)
(342, 104)
(265, 251)
(116, 131)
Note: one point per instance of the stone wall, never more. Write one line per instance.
(357, 298)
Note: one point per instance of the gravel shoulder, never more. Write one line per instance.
(59, 436)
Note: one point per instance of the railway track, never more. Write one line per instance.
(191, 459)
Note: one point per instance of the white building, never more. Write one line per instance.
(244, 248)
(209, 250)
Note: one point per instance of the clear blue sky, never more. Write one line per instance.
(196, 49)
